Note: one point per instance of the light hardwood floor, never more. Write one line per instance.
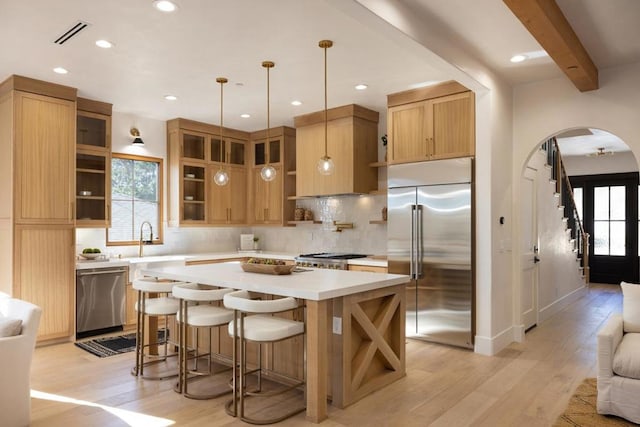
(527, 384)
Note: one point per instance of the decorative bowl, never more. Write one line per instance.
(85, 193)
(188, 198)
(190, 175)
(267, 268)
(91, 256)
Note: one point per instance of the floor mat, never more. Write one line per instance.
(110, 346)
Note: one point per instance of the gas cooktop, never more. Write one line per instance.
(332, 255)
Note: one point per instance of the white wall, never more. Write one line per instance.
(364, 238)
(617, 163)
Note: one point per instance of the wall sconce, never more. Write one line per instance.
(135, 133)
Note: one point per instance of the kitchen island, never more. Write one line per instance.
(355, 319)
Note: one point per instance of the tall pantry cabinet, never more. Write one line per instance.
(37, 185)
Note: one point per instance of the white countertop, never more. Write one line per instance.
(118, 262)
(315, 284)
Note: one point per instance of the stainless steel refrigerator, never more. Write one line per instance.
(430, 238)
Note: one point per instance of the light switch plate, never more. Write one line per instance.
(337, 325)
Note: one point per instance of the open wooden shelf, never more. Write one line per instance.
(378, 221)
(291, 172)
(378, 164)
(90, 197)
(85, 170)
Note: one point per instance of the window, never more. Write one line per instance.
(577, 198)
(609, 220)
(136, 196)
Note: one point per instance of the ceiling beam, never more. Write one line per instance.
(548, 25)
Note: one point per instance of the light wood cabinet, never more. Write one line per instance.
(44, 140)
(431, 123)
(369, 268)
(93, 164)
(44, 267)
(352, 133)
(37, 185)
(195, 153)
(269, 204)
(228, 203)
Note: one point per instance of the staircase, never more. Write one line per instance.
(566, 203)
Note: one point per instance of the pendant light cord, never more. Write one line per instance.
(268, 113)
(221, 113)
(325, 101)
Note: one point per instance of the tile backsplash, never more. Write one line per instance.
(305, 238)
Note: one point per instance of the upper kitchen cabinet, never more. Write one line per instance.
(44, 143)
(93, 164)
(352, 136)
(195, 153)
(436, 122)
(269, 202)
(37, 183)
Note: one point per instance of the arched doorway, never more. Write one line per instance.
(545, 287)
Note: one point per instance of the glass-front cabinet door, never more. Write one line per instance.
(93, 130)
(264, 153)
(228, 151)
(193, 146)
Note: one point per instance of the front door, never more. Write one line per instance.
(529, 250)
(611, 219)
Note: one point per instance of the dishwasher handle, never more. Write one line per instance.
(93, 273)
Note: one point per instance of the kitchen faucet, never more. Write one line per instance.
(145, 242)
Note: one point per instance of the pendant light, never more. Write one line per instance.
(268, 172)
(325, 164)
(221, 177)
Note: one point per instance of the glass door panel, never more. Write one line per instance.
(193, 146)
(236, 153)
(274, 151)
(259, 153)
(218, 152)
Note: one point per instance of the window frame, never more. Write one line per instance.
(159, 233)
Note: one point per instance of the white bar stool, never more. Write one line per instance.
(259, 328)
(161, 305)
(197, 311)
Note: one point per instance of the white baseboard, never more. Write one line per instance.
(490, 346)
(560, 303)
(518, 333)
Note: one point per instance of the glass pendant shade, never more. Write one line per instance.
(325, 165)
(268, 173)
(221, 178)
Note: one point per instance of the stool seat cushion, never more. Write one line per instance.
(263, 328)
(160, 306)
(197, 292)
(207, 315)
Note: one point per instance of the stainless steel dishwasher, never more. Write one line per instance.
(100, 300)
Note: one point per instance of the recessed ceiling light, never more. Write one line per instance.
(165, 5)
(361, 86)
(105, 44)
(245, 115)
(170, 97)
(518, 58)
(296, 103)
(60, 70)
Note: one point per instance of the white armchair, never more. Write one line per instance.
(15, 361)
(619, 359)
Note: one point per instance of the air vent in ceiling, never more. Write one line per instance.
(71, 32)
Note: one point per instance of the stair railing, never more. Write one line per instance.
(563, 187)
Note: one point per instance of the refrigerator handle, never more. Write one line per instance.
(419, 242)
(412, 253)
